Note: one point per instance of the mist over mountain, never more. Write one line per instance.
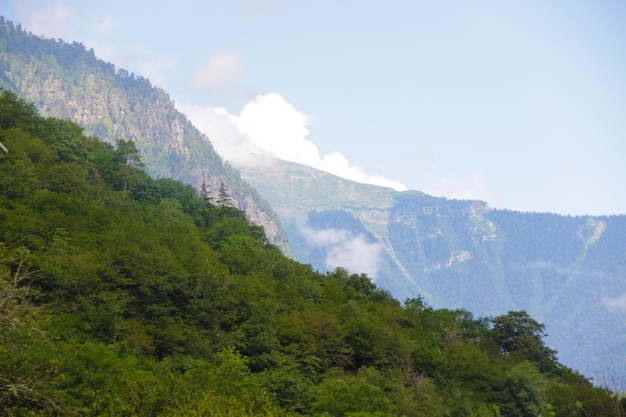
(568, 272)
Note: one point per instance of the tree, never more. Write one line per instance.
(15, 112)
(337, 397)
(128, 153)
(24, 348)
(524, 386)
(519, 336)
(223, 197)
(204, 193)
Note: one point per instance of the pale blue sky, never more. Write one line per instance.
(519, 103)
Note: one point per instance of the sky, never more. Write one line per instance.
(521, 104)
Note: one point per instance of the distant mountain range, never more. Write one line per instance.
(568, 272)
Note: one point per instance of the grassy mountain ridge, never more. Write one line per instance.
(67, 81)
(125, 295)
(567, 271)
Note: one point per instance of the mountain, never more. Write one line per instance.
(125, 295)
(67, 81)
(569, 272)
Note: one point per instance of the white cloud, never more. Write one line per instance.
(337, 164)
(220, 73)
(615, 304)
(229, 142)
(344, 249)
(277, 127)
(269, 125)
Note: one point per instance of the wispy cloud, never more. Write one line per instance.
(136, 58)
(269, 125)
(54, 20)
(471, 187)
(106, 25)
(615, 304)
(222, 74)
(563, 269)
(346, 250)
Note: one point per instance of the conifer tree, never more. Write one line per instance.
(223, 197)
(204, 193)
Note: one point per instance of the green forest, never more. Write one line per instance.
(124, 295)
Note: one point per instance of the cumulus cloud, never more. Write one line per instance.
(346, 250)
(223, 131)
(269, 125)
(277, 127)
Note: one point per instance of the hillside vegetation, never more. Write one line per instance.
(124, 295)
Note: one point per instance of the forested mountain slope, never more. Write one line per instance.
(124, 295)
(569, 272)
(67, 81)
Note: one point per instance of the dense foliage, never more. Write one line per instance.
(125, 295)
